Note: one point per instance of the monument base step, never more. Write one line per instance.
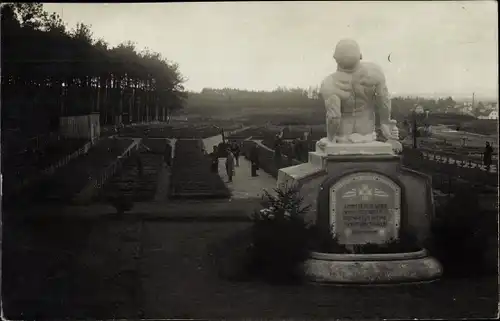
(372, 269)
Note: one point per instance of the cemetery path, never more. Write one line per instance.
(243, 185)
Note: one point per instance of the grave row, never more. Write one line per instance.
(169, 132)
(67, 181)
(191, 176)
(136, 183)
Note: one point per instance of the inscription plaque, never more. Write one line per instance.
(365, 207)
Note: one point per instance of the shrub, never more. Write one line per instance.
(463, 236)
(280, 237)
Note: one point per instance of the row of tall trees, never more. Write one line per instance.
(49, 71)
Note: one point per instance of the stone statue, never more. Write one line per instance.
(355, 96)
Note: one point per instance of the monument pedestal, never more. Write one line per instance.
(372, 269)
(360, 193)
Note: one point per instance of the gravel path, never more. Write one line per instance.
(243, 184)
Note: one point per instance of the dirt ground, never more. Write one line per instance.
(143, 268)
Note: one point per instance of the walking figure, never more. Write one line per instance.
(278, 144)
(230, 165)
(214, 165)
(487, 157)
(235, 148)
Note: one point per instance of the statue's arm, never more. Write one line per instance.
(332, 100)
(333, 112)
(383, 100)
(332, 106)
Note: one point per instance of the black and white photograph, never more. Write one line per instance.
(294, 160)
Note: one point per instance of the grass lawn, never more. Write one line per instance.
(112, 268)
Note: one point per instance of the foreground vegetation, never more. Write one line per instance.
(463, 240)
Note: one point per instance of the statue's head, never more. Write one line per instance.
(347, 54)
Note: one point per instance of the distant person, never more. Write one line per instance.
(235, 148)
(291, 153)
(223, 136)
(230, 165)
(254, 160)
(214, 156)
(488, 155)
(297, 149)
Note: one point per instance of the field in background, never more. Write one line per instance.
(306, 112)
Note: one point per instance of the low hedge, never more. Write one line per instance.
(267, 161)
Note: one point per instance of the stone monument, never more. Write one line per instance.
(354, 181)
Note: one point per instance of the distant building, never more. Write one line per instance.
(492, 106)
(467, 109)
(493, 115)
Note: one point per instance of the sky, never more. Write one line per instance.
(435, 47)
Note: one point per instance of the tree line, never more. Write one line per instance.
(278, 93)
(49, 71)
(297, 97)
